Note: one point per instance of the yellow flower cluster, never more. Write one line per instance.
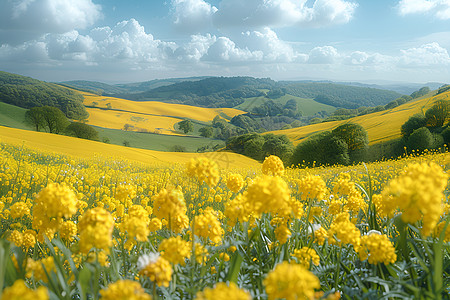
(342, 231)
(175, 250)
(378, 248)
(125, 194)
(282, 233)
(236, 210)
(235, 182)
(291, 281)
(347, 196)
(125, 290)
(68, 230)
(136, 223)
(418, 193)
(204, 170)
(19, 291)
(207, 225)
(170, 205)
(156, 268)
(222, 291)
(52, 204)
(269, 194)
(312, 187)
(36, 268)
(273, 165)
(305, 256)
(19, 210)
(95, 227)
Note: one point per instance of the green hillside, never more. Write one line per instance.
(27, 92)
(12, 116)
(308, 107)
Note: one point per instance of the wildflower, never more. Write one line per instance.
(175, 250)
(269, 194)
(306, 255)
(36, 268)
(29, 239)
(16, 237)
(155, 224)
(291, 281)
(208, 226)
(19, 291)
(273, 165)
(136, 223)
(235, 182)
(201, 253)
(52, 204)
(19, 210)
(68, 230)
(222, 291)
(418, 193)
(204, 170)
(236, 210)
(282, 233)
(312, 187)
(320, 234)
(156, 268)
(124, 290)
(378, 248)
(170, 205)
(342, 231)
(125, 194)
(95, 227)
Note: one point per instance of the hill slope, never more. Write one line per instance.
(381, 126)
(111, 112)
(88, 149)
(27, 92)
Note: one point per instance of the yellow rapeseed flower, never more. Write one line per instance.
(222, 291)
(291, 281)
(19, 291)
(175, 250)
(377, 248)
(273, 165)
(124, 290)
(95, 228)
(156, 268)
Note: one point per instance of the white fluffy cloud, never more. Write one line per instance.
(438, 8)
(323, 55)
(424, 56)
(33, 18)
(192, 15)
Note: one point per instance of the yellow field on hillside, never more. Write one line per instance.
(64, 145)
(156, 114)
(381, 126)
(117, 120)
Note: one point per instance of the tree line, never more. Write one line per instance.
(52, 119)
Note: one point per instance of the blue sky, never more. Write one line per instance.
(139, 40)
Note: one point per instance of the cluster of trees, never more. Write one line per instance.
(347, 113)
(429, 130)
(339, 95)
(208, 92)
(346, 144)
(27, 93)
(52, 119)
(259, 146)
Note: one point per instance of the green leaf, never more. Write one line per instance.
(235, 268)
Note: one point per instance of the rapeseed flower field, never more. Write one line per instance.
(96, 228)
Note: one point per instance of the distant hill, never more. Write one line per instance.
(101, 88)
(27, 92)
(381, 126)
(340, 95)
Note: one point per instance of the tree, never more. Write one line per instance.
(278, 145)
(438, 114)
(420, 139)
(81, 130)
(35, 117)
(446, 135)
(186, 126)
(206, 131)
(54, 119)
(414, 122)
(355, 136)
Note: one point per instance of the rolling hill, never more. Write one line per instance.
(64, 145)
(381, 126)
(151, 116)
